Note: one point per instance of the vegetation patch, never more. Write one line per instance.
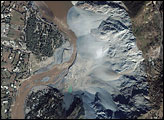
(42, 38)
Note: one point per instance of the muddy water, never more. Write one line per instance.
(57, 12)
(54, 9)
(59, 8)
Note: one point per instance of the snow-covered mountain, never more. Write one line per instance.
(108, 73)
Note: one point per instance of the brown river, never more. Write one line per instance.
(56, 11)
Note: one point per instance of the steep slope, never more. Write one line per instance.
(45, 102)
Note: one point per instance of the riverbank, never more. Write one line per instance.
(27, 85)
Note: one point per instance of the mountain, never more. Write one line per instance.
(108, 72)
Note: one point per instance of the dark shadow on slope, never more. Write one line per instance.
(134, 7)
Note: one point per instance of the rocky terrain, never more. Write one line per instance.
(45, 102)
(108, 72)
